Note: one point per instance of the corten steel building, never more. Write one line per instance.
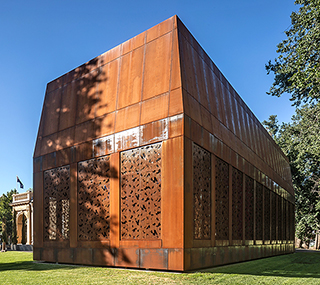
(146, 157)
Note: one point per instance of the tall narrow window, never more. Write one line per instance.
(56, 203)
(52, 225)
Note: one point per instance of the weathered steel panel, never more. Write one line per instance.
(147, 157)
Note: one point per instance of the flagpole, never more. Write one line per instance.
(17, 183)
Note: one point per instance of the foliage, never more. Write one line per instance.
(297, 68)
(14, 238)
(272, 125)
(4, 236)
(297, 268)
(300, 141)
(6, 211)
(297, 72)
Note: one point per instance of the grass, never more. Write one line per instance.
(298, 268)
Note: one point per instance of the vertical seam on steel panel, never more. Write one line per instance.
(118, 87)
(142, 79)
(171, 63)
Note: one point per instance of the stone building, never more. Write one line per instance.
(147, 157)
(22, 204)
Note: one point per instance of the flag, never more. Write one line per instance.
(19, 181)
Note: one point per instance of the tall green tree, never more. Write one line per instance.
(6, 213)
(297, 72)
(14, 238)
(297, 68)
(300, 141)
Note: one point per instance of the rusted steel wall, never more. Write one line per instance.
(249, 204)
(147, 158)
(109, 158)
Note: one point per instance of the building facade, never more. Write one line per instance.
(146, 157)
(22, 205)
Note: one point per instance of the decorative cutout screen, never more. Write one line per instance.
(237, 203)
(279, 217)
(56, 203)
(259, 211)
(266, 213)
(94, 199)
(273, 216)
(222, 200)
(291, 222)
(141, 193)
(249, 213)
(285, 217)
(201, 192)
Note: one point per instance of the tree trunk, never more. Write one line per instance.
(3, 246)
(317, 241)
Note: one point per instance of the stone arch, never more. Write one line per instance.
(22, 204)
(20, 225)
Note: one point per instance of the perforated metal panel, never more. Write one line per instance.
(273, 216)
(279, 217)
(222, 200)
(249, 213)
(141, 193)
(237, 203)
(259, 211)
(266, 214)
(291, 222)
(285, 219)
(201, 192)
(94, 199)
(56, 203)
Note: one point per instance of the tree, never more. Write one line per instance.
(297, 68)
(272, 125)
(300, 141)
(14, 228)
(297, 72)
(6, 212)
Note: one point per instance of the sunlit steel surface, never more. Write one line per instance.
(146, 157)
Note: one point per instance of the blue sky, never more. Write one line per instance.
(41, 40)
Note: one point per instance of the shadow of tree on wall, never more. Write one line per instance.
(95, 223)
(77, 104)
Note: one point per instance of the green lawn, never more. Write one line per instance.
(297, 268)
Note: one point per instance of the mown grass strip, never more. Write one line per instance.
(297, 268)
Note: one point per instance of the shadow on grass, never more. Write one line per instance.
(33, 266)
(296, 265)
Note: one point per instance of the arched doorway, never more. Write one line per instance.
(22, 205)
(22, 228)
